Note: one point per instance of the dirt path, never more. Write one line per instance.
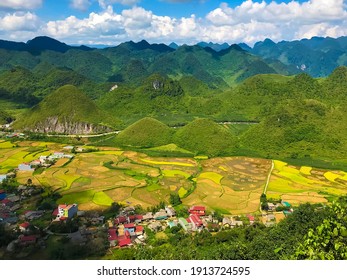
(268, 176)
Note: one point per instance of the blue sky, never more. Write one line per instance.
(111, 22)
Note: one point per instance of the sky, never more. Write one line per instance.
(110, 22)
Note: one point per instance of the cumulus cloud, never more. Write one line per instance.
(20, 22)
(81, 5)
(248, 22)
(20, 4)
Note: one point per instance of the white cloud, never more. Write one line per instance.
(81, 5)
(20, 4)
(249, 22)
(20, 22)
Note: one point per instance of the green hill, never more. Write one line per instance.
(206, 137)
(147, 132)
(67, 110)
(5, 117)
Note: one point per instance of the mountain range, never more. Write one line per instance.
(285, 112)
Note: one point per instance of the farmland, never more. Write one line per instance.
(230, 185)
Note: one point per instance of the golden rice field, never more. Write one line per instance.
(232, 185)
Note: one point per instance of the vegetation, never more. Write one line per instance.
(146, 132)
(61, 111)
(203, 136)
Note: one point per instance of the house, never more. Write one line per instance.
(161, 215)
(139, 230)
(6, 202)
(237, 224)
(131, 218)
(270, 218)
(271, 206)
(138, 218)
(35, 163)
(112, 237)
(129, 228)
(286, 204)
(197, 210)
(15, 207)
(195, 221)
(251, 219)
(31, 215)
(57, 155)
(185, 225)
(24, 226)
(69, 148)
(226, 221)
(172, 224)
(3, 177)
(148, 216)
(26, 240)
(13, 198)
(2, 194)
(25, 167)
(67, 211)
(170, 211)
(155, 226)
(43, 159)
(124, 240)
(121, 220)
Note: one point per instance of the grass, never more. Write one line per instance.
(215, 177)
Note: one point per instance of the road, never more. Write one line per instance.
(83, 135)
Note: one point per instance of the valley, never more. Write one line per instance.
(230, 185)
(149, 151)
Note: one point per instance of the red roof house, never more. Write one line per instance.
(124, 242)
(195, 221)
(120, 220)
(250, 218)
(55, 212)
(24, 226)
(138, 218)
(139, 230)
(132, 218)
(197, 210)
(27, 239)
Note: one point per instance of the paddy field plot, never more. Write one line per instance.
(305, 184)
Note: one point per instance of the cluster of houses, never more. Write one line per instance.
(43, 161)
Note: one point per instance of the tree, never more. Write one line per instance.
(175, 199)
(328, 240)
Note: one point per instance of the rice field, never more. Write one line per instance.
(305, 184)
(231, 185)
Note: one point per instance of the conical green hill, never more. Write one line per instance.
(147, 132)
(204, 136)
(67, 110)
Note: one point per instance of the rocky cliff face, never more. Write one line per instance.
(66, 126)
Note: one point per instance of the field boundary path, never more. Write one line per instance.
(268, 176)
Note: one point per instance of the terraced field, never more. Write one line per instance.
(232, 185)
(305, 184)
